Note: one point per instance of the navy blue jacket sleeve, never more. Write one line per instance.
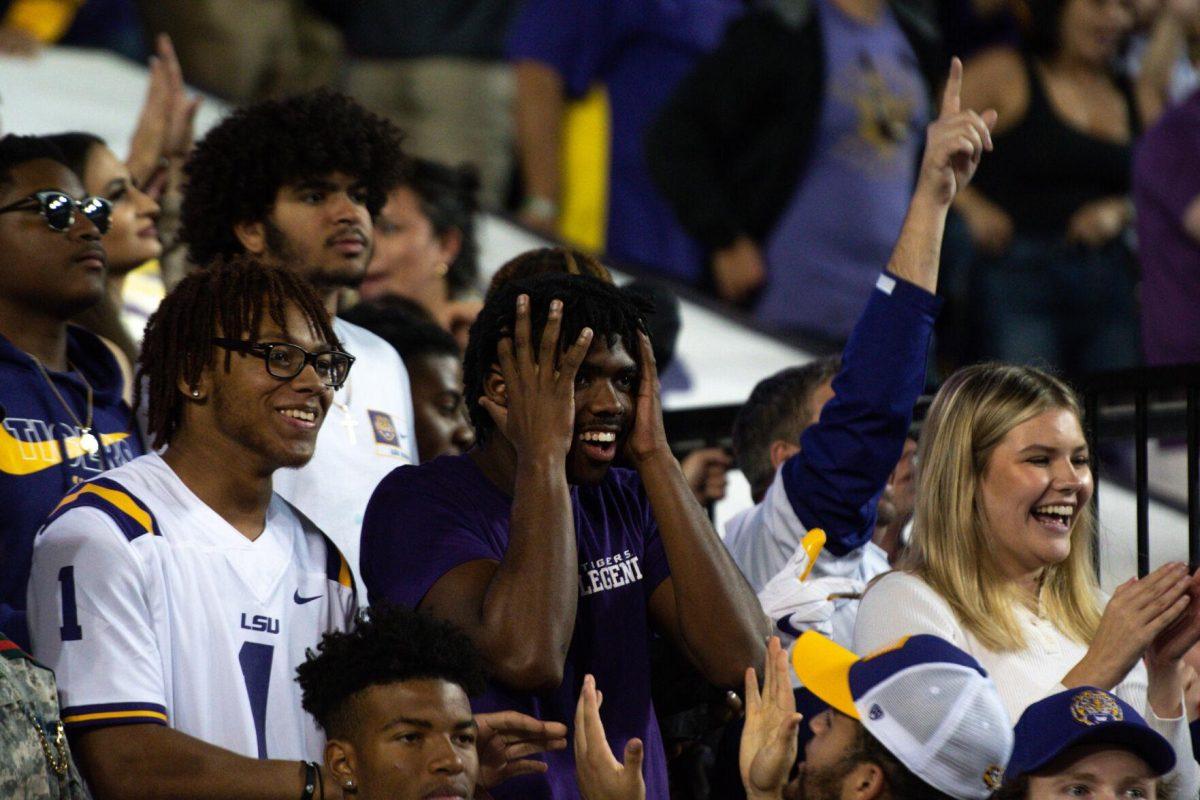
(845, 459)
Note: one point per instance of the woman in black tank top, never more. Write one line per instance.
(1053, 279)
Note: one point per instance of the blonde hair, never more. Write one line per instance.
(950, 549)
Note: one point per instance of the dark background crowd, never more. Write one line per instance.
(740, 148)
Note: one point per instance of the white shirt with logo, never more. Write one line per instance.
(367, 433)
(151, 608)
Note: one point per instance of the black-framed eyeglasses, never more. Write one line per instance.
(58, 209)
(285, 360)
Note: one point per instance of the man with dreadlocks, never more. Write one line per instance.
(174, 596)
(555, 563)
(297, 182)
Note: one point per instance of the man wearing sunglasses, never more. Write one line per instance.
(175, 596)
(310, 173)
(62, 419)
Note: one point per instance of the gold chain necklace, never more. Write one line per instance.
(58, 762)
(88, 442)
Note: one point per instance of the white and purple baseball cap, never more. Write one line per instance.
(929, 703)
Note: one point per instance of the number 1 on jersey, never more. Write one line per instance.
(70, 630)
(256, 660)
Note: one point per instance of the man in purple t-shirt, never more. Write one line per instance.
(556, 564)
(1166, 192)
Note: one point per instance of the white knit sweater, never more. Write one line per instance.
(900, 604)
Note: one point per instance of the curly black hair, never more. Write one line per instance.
(229, 299)
(16, 150)
(588, 302)
(234, 174)
(388, 644)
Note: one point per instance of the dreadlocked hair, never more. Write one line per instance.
(227, 300)
(546, 260)
(388, 644)
(235, 172)
(588, 302)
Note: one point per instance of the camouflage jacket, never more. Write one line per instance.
(29, 698)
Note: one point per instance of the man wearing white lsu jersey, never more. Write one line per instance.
(175, 596)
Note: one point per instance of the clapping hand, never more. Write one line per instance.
(954, 143)
(768, 747)
(1137, 613)
(508, 738)
(164, 132)
(1171, 644)
(601, 776)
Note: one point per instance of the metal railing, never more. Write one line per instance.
(1145, 403)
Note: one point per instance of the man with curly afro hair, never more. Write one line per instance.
(392, 696)
(297, 182)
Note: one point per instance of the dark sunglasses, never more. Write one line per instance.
(58, 209)
(285, 361)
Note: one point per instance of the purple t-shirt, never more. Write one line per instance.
(639, 50)
(1166, 179)
(841, 223)
(424, 521)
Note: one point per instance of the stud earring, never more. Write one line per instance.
(195, 392)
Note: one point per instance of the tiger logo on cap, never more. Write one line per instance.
(1091, 707)
(993, 777)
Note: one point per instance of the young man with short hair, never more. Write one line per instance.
(392, 696)
(62, 417)
(297, 182)
(553, 562)
(919, 720)
(435, 369)
(175, 595)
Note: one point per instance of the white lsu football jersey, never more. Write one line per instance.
(151, 608)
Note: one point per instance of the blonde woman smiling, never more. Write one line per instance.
(1001, 559)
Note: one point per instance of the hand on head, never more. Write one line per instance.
(538, 415)
(648, 437)
(601, 776)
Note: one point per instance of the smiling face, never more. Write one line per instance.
(410, 258)
(61, 274)
(1093, 30)
(1096, 772)
(413, 740)
(439, 414)
(320, 228)
(132, 237)
(604, 394)
(276, 421)
(1033, 488)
